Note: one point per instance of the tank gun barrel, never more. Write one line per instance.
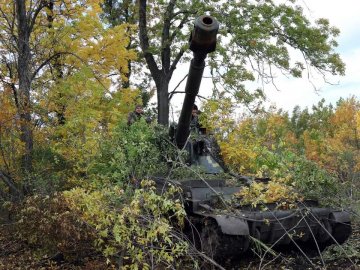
(202, 41)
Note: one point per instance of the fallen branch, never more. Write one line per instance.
(14, 191)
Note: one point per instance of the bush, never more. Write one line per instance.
(132, 153)
(313, 181)
(139, 230)
(293, 177)
(50, 226)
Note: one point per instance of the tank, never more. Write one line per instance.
(222, 230)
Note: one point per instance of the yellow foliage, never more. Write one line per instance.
(78, 56)
(130, 223)
(239, 148)
(333, 150)
(273, 192)
(242, 143)
(216, 116)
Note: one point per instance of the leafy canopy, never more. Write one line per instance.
(257, 40)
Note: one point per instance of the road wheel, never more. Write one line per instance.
(219, 246)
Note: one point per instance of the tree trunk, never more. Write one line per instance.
(23, 69)
(162, 86)
(58, 68)
(160, 76)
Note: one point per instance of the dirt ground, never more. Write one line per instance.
(17, 256)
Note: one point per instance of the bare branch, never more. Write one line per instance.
(175, 62)
(47, 61)
(69, 53)
(33, 15)
(173, 91)
(183, 92)
(181, 24)
(5, 16)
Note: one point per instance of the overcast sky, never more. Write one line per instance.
(345, 16)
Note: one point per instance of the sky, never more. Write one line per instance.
(345, 16)
(291, 92)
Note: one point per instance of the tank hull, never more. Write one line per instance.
(228, 231)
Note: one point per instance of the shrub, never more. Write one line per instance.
(131, 153)
(140, 230)
(50, 226)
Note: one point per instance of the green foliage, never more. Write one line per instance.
(263, 33)
(130, 154)
(59, 96)
(138, 229)
(308, 178)
(318, 119)
(72, 113)
(51, 172)
(314, 181)
(349, 250)
(255, 39)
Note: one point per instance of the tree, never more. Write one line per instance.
(46, 45)
(255, 39)
(18, 20)
(117, 13)
(342, 144)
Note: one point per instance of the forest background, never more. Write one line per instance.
(71, 169)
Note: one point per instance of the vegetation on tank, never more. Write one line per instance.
(76, 182)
